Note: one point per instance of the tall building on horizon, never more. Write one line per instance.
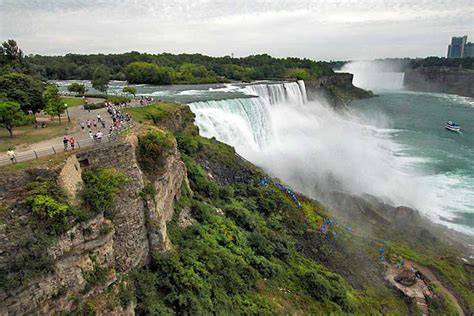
(460, 48)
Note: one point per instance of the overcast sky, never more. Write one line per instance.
(317, 29)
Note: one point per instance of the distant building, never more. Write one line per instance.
(460, 48)
(469, 50)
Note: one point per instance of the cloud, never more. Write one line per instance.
(337, 29)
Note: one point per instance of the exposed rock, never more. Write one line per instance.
(70, 177)
(441, 79)
(161, 207)
(406, 277)
(337, 89)
(185, 218)
(117, 241)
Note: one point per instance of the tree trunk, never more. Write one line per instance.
(10, 130)
(59, 117)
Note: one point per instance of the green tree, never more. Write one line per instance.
(54, 105)
(11, 57)
(100, 79)
(130, 90)
(77, 88)
(24, 89)
(10, 115)
(142, 72)
(300, 74)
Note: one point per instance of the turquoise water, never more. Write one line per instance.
(444, 158)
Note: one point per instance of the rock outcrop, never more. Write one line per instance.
(111, 242)
(441, 80)
(337, 89)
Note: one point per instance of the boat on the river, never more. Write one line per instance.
(454, 127)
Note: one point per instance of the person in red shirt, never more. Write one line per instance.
(72, 141)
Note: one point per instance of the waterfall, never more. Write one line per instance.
(374, 75)
(246, 122)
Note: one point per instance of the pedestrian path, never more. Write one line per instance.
(82, 139)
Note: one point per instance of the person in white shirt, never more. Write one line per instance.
(11, 155)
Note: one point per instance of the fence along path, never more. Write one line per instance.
(52, 150)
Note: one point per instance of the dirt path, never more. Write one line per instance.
(419, 290)
(430, 275)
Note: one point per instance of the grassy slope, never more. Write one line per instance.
(262, 230)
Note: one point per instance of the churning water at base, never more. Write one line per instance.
(314, 149)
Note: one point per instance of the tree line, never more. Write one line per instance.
(168, 68)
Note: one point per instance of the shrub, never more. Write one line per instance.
(100, 188)
(117, 99)
(93, 106)
(96, 275)
(153, 149)
(46, 205)
(44, 198)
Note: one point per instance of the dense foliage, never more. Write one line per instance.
(153, 148)
(11, 116)
(101, 186)
(168, 68)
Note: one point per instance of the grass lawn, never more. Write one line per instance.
(72, 101)
(49, 161)
(26, 135)
(158, 109)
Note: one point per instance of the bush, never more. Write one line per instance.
(93, 106)
(46, 205)
(100, 188)
(153, 149)
(44, 196)
(117, 99)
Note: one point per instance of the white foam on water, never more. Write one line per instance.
(314, 149)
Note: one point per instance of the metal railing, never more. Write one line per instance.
(55, 149)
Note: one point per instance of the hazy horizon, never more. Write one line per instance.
(322, 30)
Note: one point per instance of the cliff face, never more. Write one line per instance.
(442, 80)
(86, 259)
(337, 89)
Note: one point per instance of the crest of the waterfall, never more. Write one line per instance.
(246, 123)
(280, 93)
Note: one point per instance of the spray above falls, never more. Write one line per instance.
(314, 149)
(376, 75)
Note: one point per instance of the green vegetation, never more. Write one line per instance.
(24, 89)
(143, 72)
(72, 101)
(168, 68)
(130, 90)
(153, 149)
(11, 116)
(54, 105)
(101, 185)
(78, 88)
(242, 253)
(100, 79)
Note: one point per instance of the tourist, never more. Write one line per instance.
(103, 123)
(11, 155)
(94, 123)
(91, 135)
(88, 123)
(65, 142)
(83, 125)
(99, 136)
(98, 118)
(72, 142)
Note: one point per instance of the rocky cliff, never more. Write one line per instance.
(90, 255)
(337, 89)
(442, 80)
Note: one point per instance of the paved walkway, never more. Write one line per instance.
(51, 146)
